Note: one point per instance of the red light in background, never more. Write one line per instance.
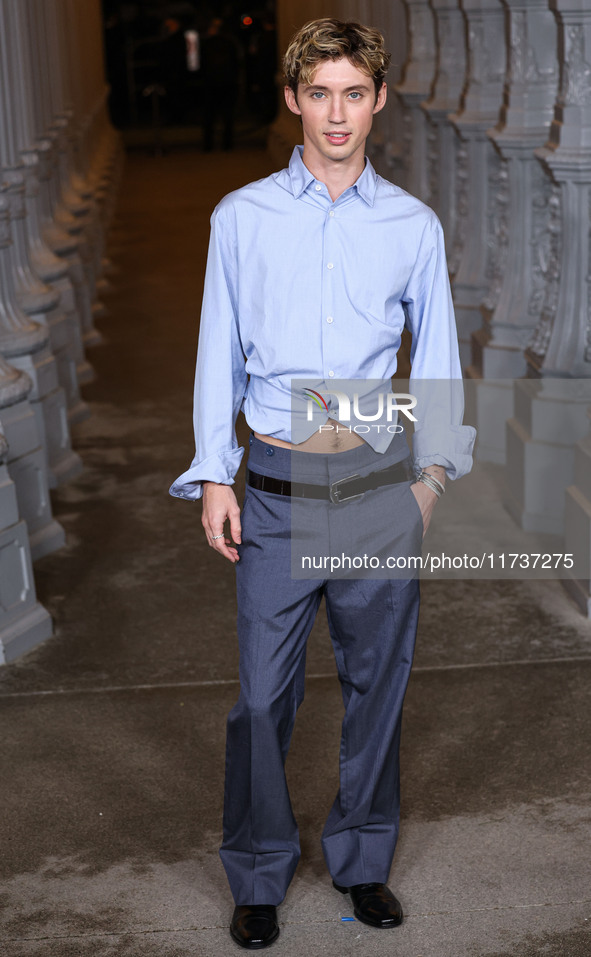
(247, 21)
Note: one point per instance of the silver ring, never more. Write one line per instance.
(213, 537)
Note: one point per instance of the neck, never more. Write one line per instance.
(337, 176)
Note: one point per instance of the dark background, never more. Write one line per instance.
(146, 61)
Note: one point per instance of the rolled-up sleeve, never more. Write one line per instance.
(439, 437)
(220, 377)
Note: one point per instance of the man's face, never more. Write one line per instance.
(337, 110)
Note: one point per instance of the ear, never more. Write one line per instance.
(291, 101)
(382, 96)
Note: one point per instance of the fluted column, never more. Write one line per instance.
(61, 229)
(49, 75)
(559, 353)
(515, 303)
(521, 229)
(26, 344)
(482, 181)
(26, 463)
(442, 140)
(23, 621)
(562, 342)
(60, 161)
(43, 288)
(419, 74)
(22, 288)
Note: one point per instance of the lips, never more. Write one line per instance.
(337, 137)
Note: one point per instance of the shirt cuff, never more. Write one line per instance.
(453, 450)
(220, 468)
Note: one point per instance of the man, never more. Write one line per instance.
(312, 273)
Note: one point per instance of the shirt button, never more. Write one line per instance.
(318, 187)
(330, 265)
(270, 451)
(331, 212)
(331, 373)
(329, 319)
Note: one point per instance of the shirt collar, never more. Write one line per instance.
(301, 177)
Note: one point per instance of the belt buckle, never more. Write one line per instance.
(335, 494)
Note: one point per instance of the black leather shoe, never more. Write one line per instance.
(254, 925)
(374, 904)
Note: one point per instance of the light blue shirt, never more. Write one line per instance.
(299, 286)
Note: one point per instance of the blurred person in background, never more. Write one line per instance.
(261, 69)
(220, 75)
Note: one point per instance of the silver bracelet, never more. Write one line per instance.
(436, 480)
(432, 478)
(431, 482)
(428, 484)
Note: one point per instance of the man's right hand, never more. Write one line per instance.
(219, 504)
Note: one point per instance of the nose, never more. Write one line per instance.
(336, 111)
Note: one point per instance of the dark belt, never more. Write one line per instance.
(340, 491)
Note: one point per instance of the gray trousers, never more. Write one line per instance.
(372, 623)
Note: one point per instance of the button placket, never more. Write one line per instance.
(328, 295)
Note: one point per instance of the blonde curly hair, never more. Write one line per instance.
(331, 39)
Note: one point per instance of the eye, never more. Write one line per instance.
(316, 94)
(355, 95)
